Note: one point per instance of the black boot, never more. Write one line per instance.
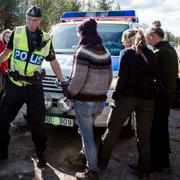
(41, 161)
(3, 153)
(139, 172)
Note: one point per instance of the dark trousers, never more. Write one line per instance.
(123, 107)
(12, 101)
(160, 145)
(3, 84)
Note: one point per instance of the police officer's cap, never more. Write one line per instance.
(34, 11)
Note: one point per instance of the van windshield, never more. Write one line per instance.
(65, 38)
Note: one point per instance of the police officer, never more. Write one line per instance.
(28, 46)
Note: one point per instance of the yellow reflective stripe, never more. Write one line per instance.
(46, 36)
(45, 50)
(19, 29)
(19, 83)
(16, 43)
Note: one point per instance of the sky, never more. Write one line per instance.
(167, 11)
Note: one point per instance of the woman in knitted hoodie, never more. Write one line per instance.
(90, 80)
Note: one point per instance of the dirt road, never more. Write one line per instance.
(65, 143)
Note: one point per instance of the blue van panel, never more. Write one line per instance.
(115, 63)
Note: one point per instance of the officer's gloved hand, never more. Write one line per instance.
(65, 85)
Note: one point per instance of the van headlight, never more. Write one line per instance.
(48, 102)
(64, 104)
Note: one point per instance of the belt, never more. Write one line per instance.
(33, 79)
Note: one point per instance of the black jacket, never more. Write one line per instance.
(168, 70)
(133, 68)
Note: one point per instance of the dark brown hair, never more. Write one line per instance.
(156, 29)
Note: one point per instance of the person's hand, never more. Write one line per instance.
(64, 85)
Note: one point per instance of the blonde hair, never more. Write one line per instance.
(128, 34)
(139, 42)
(4, 32)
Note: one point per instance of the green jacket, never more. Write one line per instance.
(168, 70)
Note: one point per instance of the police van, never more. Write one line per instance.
(110, 25)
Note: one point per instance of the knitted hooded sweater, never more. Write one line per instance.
(91, 74)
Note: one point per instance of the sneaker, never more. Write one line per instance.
(77, 161)
(87, 175)
(41, 161)
(140, 173)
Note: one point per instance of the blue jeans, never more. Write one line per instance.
(86, 113)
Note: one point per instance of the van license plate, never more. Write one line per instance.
(59, 121)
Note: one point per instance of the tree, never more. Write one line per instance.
(9, 14)
(72, 5)
(13, 12)
(104, 4)
(87, 5)
(171, 38)
(23, 6)
(118, 7)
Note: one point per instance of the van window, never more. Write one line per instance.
(65, 38)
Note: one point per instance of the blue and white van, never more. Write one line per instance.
(111, 25)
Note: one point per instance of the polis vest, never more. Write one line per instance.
(21, 54)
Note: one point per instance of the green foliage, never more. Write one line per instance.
(104, 5)
(171, 38)
(13, 12)
(90, 6)
(117, 7)
(72, 5)
(9, 14)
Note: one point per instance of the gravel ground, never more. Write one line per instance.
(65, 143)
